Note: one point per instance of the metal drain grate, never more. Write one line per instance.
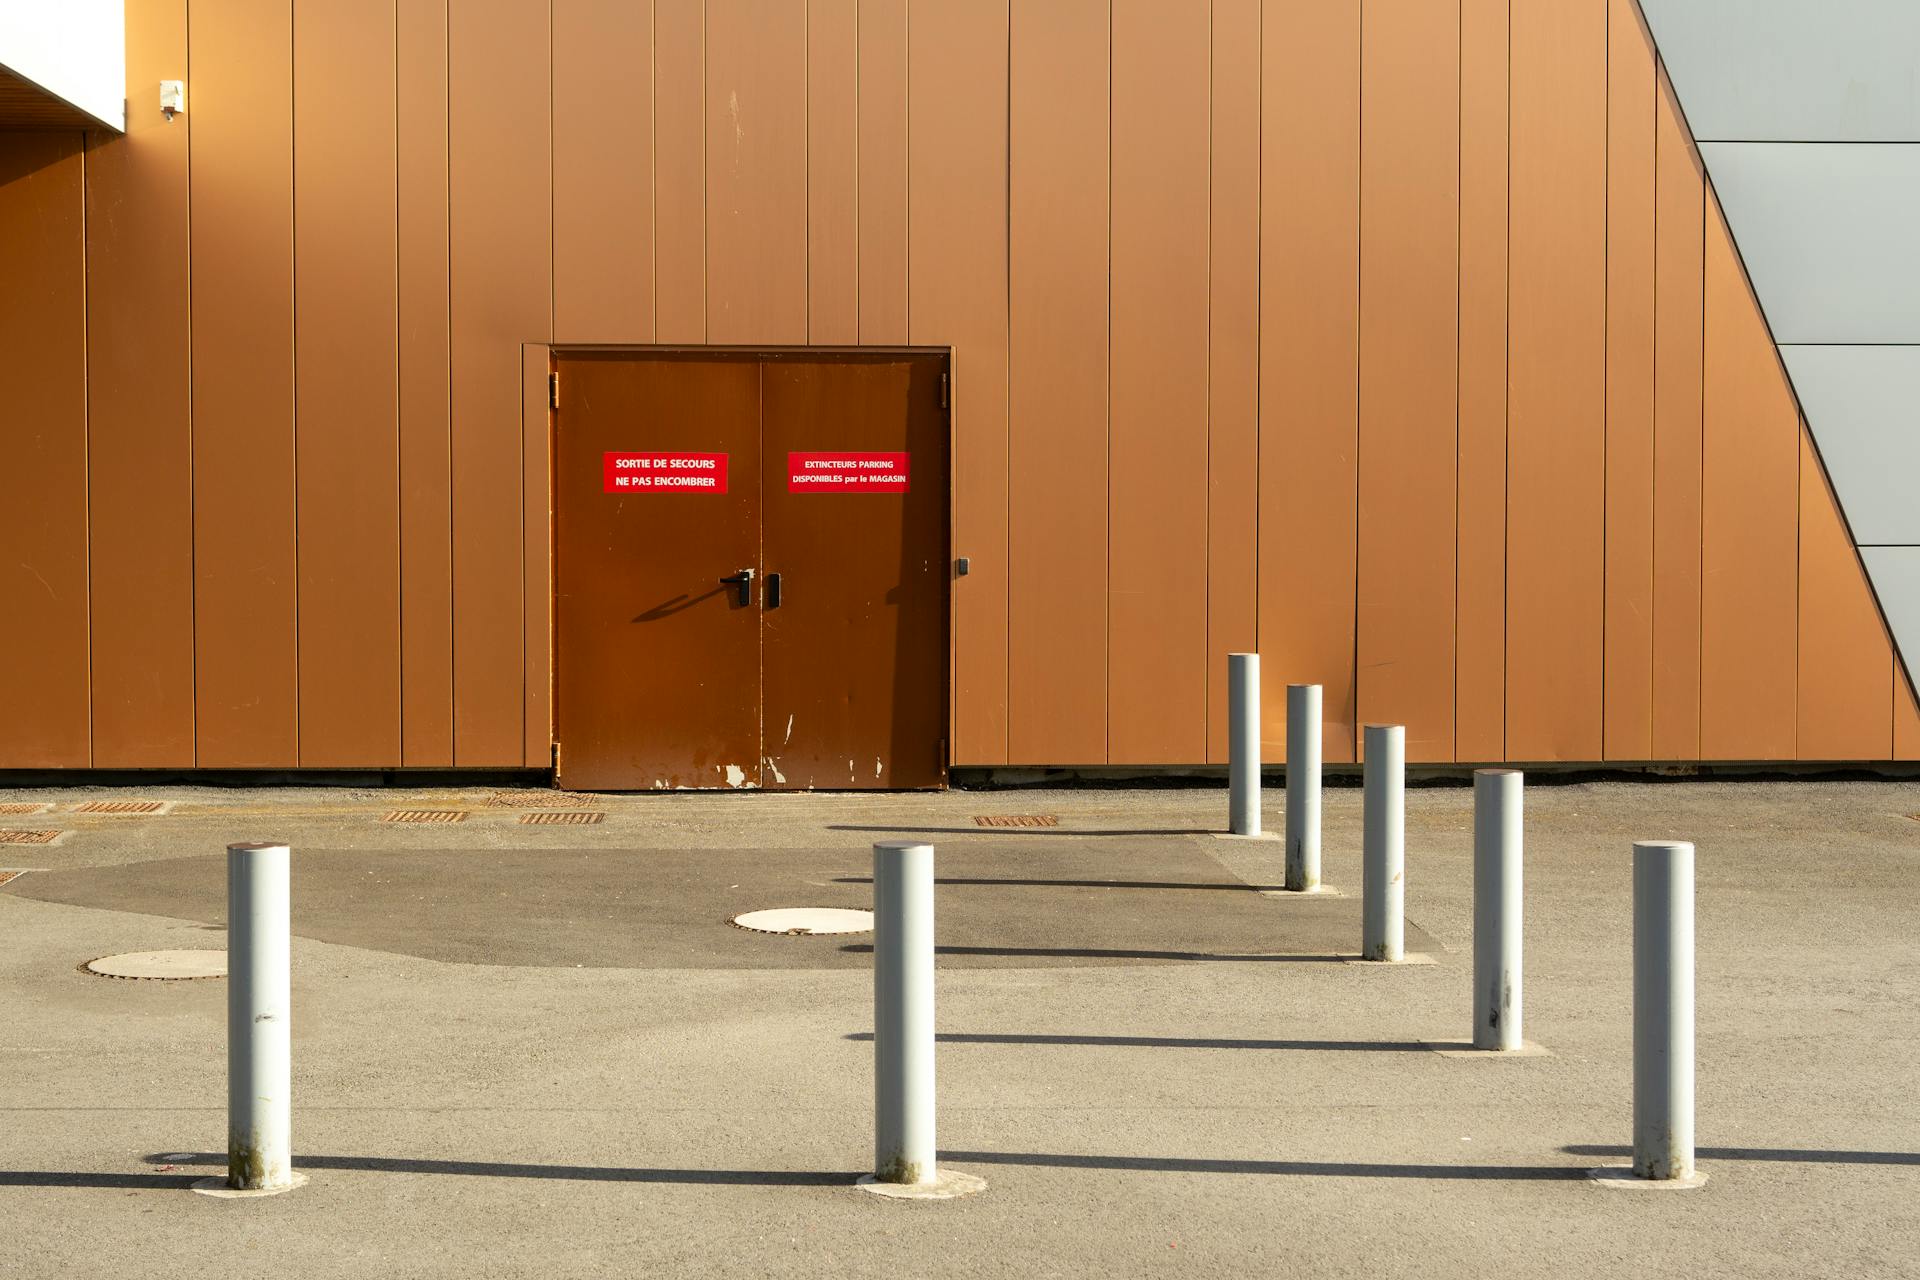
(537, 800)
(28, 837)
(24, 806)
(120, 806)
(426, 815)
(560, 818)
(1016, 820)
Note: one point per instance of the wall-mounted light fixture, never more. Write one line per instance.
(173, 98)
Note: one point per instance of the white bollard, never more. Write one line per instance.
(1303, 787)
(1663, 1011)
(1243, 744)
(903, 1012)
(259, 1018)
(1384, 843)
(1497, 829)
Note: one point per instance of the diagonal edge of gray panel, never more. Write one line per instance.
(1863, 406)
(1895, 574)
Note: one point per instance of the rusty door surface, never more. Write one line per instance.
(657, 497)
(750, 567)
(854, 648)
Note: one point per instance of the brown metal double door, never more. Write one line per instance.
(750, 565)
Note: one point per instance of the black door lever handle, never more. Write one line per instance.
(743, 580)
(773, 591)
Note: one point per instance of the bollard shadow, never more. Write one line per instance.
(457, 1167)
(1178, 1042)
(1111, 953)
(1284, 1168)
(1086, 884)
(1784, 1155)
(100, 1181)
(503, 1169)
(1021, 833)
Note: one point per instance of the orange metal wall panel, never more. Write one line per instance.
(680, 170)
(1057, 395)
(1409, 388)
(958, 270)
(883, 171)
(500, 236)
(246, 579)
(1157, 603)
(1628, 727)
(756, 171)
(1750, 520)
(833, 264)
(537, 553)
(43, 486)
(603, 170)
(426, 510)
(1847, 680)
(1309, 357)
(1233, 350)
(1480, 593)
(346, 303)
(1557, 322)
(1677, 319)
(139, 434)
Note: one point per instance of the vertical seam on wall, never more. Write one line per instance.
(1206, 545)
(1506, 385)
(653, 171)
(906, 177)
(706, 195)
(1700, 550)
(1106, 664)
(806, 182)
(1007, 407)
(193, 493)
(1359, 271)
(1606, 358)
(87, 442)
(1653, 604)
(399, 430)
(446, 214)
(1259, 275)
(1459, 264)
(859, 334)
(293, 362)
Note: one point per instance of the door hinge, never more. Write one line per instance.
(943, 390)
(553, 391)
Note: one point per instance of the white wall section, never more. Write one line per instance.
(76, 50)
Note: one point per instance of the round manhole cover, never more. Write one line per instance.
(807, 920)
(166, 966)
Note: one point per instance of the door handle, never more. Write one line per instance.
(743, 580)
(773, 591)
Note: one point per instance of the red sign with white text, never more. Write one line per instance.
(665, 472)
(846, 473)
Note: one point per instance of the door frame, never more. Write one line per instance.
(548, 355)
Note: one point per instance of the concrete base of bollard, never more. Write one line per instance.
(947, 1184)
(1318, 891)
(1411, 957)
(1621, 1177)
(1466, 1049)
(1235, 835)
(218, 1188)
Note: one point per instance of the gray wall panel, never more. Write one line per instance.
(1793, 70)
(1830, 235)
(1863, 405)
(1895, 572)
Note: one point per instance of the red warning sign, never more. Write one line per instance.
(665, 472)
(846, 473)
